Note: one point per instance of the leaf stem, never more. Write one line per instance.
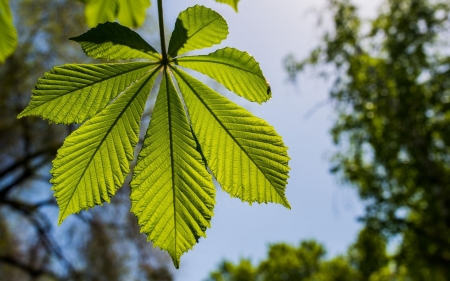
(165, 60)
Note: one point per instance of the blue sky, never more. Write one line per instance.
(321, 208)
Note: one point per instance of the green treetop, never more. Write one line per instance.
(392, 98)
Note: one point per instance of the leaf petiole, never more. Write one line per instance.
(164, 59)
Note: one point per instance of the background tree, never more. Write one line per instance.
(391, 93)
(104, 244)
(307, 262)
(368, 254)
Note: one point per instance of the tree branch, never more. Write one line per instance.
(23, 161)
(33, 272)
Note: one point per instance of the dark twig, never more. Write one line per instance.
(33, 272)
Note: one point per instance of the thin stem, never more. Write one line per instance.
(165, 61)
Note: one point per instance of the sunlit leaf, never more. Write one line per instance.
(100, 11)
(245, 154)
(236, 70)
(94, 160)
(8, 33)
(172, 192)
(130, 13)
(75, 92)
(196, 28)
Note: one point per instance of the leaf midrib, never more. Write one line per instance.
(106, 135)
(99, 40)
(228, 132)
(169, 113)
(98, 81)
(182, 59)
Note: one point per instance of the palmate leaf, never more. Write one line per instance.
(172, 192)
(130, 13)
(8, 33)
(245, 154)
(191, 133)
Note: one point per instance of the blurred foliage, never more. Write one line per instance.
(232, 3)
(391, 93)
(307, 262)
(128, 13)
(101, 245)
(8, 34)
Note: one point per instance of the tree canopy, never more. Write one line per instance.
(366, 259)
(391, 95)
